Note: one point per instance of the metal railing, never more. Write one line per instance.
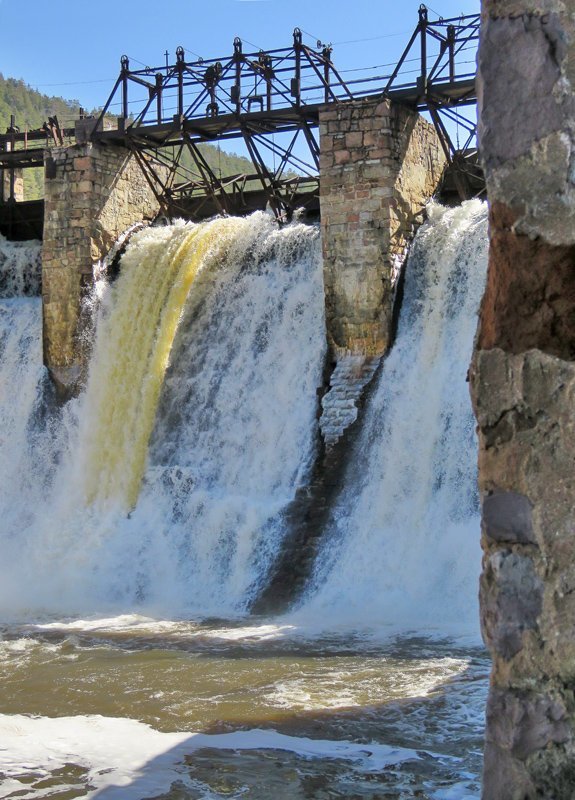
(440, 53)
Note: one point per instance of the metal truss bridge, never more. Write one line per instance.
(271, 101)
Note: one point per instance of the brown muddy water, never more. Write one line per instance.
(135, 708)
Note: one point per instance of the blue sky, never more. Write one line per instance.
(72, 48)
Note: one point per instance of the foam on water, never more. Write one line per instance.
(117, 754)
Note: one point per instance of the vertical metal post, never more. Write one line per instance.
(12, 148)
(237, 88)
(326, 53)
(124, 61)
(180, 67)
(268, 75)
(423, 39)
(159, 86)
(451, 50)
(296, 81)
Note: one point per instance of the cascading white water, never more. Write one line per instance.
(403, 545)
(21, 378)
(233, 437)
(20, 268)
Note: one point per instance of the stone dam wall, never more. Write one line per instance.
(523, 389)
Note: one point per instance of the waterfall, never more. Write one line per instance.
(140, 520)
(20, 268)
(164, 486)
(403, 541)
(133, 349)
(169, 486)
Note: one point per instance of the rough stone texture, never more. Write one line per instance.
(527, 122)
(340, 404)
(519, 725)
(92, 195)
(525, 407)
(530, 307)
(379, 165)
(523, 389)
(511, 595)
(507, 518)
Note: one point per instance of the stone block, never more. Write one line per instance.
(511, 601)
(353, 139)
(341, 157)
(523, 722)
(507, 518)
(81, 163)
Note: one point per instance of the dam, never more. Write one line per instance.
(242, 511)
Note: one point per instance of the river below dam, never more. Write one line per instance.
(141, 521)
(129, 707)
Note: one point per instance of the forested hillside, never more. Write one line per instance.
(31, 109)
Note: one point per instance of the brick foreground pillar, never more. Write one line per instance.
(523, 389)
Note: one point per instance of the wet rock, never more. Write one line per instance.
(507, 518)
(504, 777)
(523, 727)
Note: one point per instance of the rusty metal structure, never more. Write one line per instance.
(19, 150)
(270, 100)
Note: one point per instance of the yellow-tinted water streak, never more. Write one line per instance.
(133, 349)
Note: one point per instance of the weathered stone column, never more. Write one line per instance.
(92, 195)
(379, 164)
(523, 388)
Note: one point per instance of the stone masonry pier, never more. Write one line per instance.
(379, 164)
(92, 195)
